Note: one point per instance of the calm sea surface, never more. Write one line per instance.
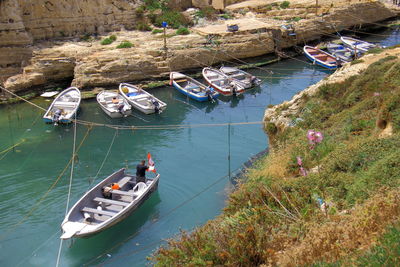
(193, 163)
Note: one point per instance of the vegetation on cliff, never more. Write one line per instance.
(319, 201)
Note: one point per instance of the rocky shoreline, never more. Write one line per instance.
(89, 64)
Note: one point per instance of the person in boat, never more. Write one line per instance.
(141, 169)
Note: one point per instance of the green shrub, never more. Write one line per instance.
(155, 31)
(284, 4)
(125, 44)
(174, 19)
(182, 31)
(206, 12)
(375, 50)
(143, 26)
(271, 128)
(226, 16)
(113, 38)
(106, 41)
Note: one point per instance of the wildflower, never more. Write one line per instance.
(314, 138)
(299, 161)
(377, 94)
(303, 171)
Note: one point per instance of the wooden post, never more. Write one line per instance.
(164, 25)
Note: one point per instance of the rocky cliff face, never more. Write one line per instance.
(88, 64)
(24, 22)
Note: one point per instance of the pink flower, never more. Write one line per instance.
(377, 94)
(314, 137)
(299, 161)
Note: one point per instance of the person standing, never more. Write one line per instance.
(141, 169)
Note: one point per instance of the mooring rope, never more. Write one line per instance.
(43, 197)
(69, 186)
(161, 217)
(19, 97)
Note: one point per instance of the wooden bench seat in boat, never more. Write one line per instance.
(110, 201)
(101, 212)
(123, 193)
(62, 104)
(218, 79)
(124, 181)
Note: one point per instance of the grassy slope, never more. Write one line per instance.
(273, 218)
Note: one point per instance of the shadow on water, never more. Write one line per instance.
(87, 249)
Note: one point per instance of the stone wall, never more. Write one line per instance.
(22, 22)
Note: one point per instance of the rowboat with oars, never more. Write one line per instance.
(192, 88)
(222, 83)
(113, 104)
(320, 57)
(106, 204)
(64, 106)
(141, 100)
(245, 79)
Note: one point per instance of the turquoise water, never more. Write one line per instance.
(189, 160)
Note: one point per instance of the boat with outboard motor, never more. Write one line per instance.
(107, 203)
(221, 82)
(140, 99)
(63, 107)
(357, 45)
(245, 79)
(113, 104)
(192, 88)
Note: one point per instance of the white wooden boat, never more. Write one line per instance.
(192, 88)
(320, 57)
(103, 207)
(357, 45)
(222, 83)
(341, 52)
(141, 100)
(245, 79)
(64, 106)
(113, 104)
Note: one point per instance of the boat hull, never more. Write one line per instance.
(70, 107)
(190, 85)
(74, 224)
(316, 61)
(120, 218)
(135, 103)
(106, 96)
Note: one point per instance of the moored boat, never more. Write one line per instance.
(63, 107)
(245, 79)
(106, 204)
(357, 45)
(341, 52)
(113, 104)
(222, 83)
(320, 57)
(192, 88)
(140, 99)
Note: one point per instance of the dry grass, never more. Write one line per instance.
(343, 234)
